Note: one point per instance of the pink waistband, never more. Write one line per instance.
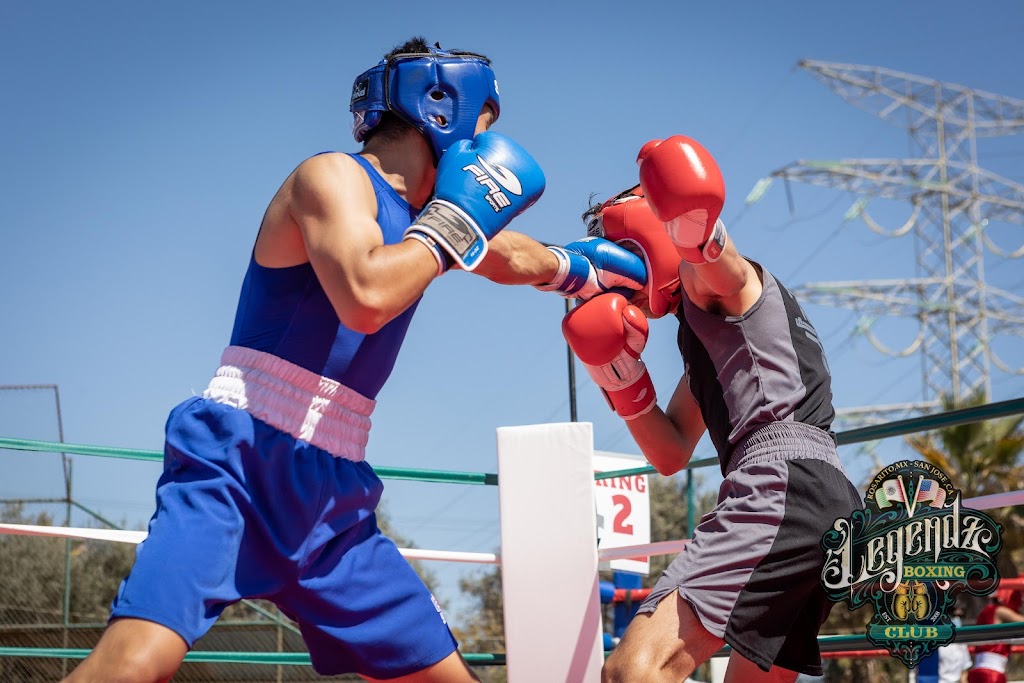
(315, 409)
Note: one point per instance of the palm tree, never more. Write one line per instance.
(983, 458)
(980, 458)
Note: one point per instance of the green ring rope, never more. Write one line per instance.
(989, 411)
(925, 423)
(438, 476)
(835, 643)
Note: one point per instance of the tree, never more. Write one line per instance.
(485, 629)
(32, 598)
(32, 594)
(34, 572)
(980, 458)
(983, 458)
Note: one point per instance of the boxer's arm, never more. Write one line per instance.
(685, 189)
(368, 283)
(667, 438)
(1005, 615)
(728, 286)
(582, 269)
(516, 259)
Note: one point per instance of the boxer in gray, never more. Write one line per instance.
(756, 379)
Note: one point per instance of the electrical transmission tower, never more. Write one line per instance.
(952, 201)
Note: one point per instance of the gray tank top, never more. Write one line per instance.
(747, 371)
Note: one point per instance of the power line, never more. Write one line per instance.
(956, 198)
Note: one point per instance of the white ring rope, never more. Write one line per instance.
(995, 500)
(123, 536)
(626, 552)
(989, 502)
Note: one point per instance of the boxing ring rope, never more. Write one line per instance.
(565, 451)
(136, 537)
(405, 473)
(127, 536)
(925, 423)
(220, 656)
(625, 594)
(989, 411)
(571, 441)
(990, 502)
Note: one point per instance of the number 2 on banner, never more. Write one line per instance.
(624, 508)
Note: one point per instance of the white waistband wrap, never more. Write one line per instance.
(316, 409)
(993, 661)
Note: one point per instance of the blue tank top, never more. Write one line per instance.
(285, 312)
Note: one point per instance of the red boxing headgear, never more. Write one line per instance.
(627, 220)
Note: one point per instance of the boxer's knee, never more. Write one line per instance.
(125, 667)
(665, 645)
(623, 666)
(132, 651)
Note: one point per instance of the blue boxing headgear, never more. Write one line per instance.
(439, 93)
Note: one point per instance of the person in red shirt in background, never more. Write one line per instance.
(990, 660)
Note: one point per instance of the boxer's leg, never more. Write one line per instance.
(667, 644)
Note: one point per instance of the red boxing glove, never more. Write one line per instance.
(686, 191)
(608, 334)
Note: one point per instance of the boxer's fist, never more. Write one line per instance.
(686, 191)
(592, 266)
(607, 334)
(482, 184)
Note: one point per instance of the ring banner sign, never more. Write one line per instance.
(908, 554)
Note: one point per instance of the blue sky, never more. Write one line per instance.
(141, 142)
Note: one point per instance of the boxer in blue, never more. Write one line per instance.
(266, 492)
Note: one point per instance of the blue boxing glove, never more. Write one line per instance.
(594, 265)
(482, 184)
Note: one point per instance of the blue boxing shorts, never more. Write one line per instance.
(246, 510)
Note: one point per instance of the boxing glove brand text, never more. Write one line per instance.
(497, 179)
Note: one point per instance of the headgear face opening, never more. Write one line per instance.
(627, 220)
(440, 93)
